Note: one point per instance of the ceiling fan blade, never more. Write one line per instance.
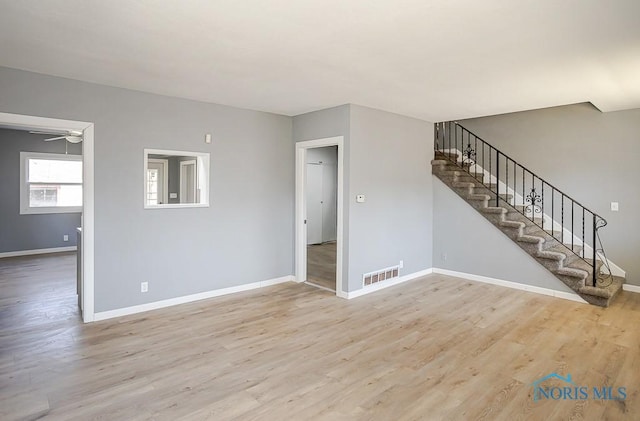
(54, 138)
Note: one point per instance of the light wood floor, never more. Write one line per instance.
(437, 348)
(321, 265)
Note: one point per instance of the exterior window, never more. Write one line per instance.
(152, 186)
(50, 183)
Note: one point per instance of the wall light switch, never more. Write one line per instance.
(65, 238)
(207, 138)
(360, 198)
(614, 206)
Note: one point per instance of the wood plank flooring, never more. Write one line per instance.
(436, 348)
(321, 265)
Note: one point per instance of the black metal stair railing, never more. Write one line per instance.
(541, 202)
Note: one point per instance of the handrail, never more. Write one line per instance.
(530, 187)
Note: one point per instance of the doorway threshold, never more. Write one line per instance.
(320, 286)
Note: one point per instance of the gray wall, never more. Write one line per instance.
(590, 155)
(473, 245)
(389, 163)
(244, 236)
(30, 232)
(387, 159)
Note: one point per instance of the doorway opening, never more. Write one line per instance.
(319, 210)
(52, 187)
(321, 191)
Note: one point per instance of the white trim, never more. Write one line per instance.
(25, 208)
(37, 251)
(387, 283)
(182, 190)
(165, 177)
(631, 288)
(301, 211)
(27, 122)
(510, 284)
(103, 315)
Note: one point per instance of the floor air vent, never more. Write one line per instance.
(380, 275)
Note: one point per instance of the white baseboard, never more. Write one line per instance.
(103, 315)
(37, 251)
(510, 284)
(384, 284)
(630, 288)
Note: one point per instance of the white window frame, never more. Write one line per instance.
(25, 209)
(203, 178)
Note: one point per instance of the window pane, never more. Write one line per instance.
(152, 186)
(54, 171)
(54, 195)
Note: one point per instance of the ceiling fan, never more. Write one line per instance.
(71, 136)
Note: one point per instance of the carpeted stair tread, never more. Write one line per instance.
(568, 271)
(475, 196)
(570, 256)
(462, 184)
(555, 233)
(537, 219)
(530, 239)
(450, 155)
(439, 162)
(493, 209)
(551, 255)
(512, 224)
(599, 264)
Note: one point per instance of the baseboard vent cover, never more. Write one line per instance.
(372, 278)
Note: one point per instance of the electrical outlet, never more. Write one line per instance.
(401, 265)
(443, 256)
(65, 238)
(614, 206)
(144, 286)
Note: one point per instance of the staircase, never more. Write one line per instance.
(553, 228)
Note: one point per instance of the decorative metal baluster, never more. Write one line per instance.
(543, 183)
(572, 203)
(583, 216)
(562, 224)
(484, 168)
(515, 182)
(475, 167)
(497, 178)
(506, 188)
(553, 194)
(533, 198)
(490, 167)
(523, 205)
(593, 263)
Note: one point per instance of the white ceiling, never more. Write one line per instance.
(431, 59)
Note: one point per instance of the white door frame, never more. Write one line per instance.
(165, 177)
(301, 208)
(195, 179)
(23, 122)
